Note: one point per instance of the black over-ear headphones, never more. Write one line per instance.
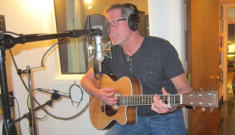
(133, 19)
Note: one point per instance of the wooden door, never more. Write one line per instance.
(203, 60)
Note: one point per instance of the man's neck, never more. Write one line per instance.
(133, 44)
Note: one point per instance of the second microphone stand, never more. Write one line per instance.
(55, 96)
(32, 122)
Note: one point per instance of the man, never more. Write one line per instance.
(150, 59)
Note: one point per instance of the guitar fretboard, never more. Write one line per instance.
(137, 100)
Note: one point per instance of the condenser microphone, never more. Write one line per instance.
(52, 91)
(97, 23)
(99, 52)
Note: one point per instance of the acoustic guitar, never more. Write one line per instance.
(129, 94)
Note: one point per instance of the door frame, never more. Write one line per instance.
(224, 37)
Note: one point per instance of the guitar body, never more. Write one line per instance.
(103, 116)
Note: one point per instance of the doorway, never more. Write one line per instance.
(228, 39)
(227, 34)
(231, 52)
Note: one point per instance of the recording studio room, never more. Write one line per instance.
(47, 46)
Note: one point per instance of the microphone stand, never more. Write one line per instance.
(55, 96)
(9, 126)
(32, 122)
(7, 41)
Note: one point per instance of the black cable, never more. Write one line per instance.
(18, 108)
(45, 54)
(30, 110)
(70, 91)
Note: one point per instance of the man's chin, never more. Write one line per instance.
(114, 43)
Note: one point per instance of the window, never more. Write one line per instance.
(71, 15)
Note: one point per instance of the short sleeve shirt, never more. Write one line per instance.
(154, 64)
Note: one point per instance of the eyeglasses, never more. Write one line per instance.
(114, 23)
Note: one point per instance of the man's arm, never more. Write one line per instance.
(88, 84)
(182, 84)
(104, 94)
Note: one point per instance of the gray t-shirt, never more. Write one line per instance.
(154, 64)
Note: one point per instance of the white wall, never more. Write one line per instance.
(34, 16)
(167, 21)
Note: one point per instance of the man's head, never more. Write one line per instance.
(129, 12)
(122, 20)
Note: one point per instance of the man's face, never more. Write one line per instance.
(119, 30)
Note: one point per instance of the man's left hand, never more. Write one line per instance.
(158, 105)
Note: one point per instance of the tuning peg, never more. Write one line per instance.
(212, 89)
(212, 109)
(203, 109)
(200, 103)
(202, 89)
(193, 91)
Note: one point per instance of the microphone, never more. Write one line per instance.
(99, 51)
(52, 91)
(97, 22)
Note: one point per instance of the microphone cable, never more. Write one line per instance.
(42, 118)
(18, 108)
(48, 50)
(70, 95)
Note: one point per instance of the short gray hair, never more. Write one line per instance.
(126, 11)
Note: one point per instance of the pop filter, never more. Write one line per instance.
(98, 21)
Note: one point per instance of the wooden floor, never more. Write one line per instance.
(227, 112)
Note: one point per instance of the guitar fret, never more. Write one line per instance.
(136, 100)
(171, 98)
(149, 99)
(163, 97)
(129, 100)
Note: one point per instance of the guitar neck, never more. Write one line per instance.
(137, 100)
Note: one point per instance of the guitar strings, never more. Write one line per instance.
(148, 99)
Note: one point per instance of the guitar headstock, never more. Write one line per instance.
(201, 98)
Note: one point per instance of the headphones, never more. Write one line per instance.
(133, 19)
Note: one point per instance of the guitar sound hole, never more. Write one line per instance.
(109, 110)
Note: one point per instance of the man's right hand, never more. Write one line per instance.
(107, 95)
(104, 94)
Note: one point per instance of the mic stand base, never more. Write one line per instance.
(55, 96)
